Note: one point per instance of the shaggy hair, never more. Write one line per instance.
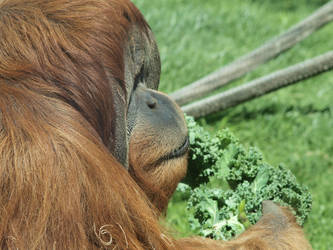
(60, 186)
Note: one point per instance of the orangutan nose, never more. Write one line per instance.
(151, 102)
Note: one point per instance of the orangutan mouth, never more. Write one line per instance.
(180, 151)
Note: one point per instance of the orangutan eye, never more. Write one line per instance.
(138, 78)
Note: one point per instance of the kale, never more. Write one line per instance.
(227, 183)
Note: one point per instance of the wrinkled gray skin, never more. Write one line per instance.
(143, 104)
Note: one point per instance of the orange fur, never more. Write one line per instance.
(60, 186)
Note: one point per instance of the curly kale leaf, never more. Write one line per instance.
(227, 183)
(205, 151)
(213, 213)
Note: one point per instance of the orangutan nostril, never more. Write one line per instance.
(152, 102)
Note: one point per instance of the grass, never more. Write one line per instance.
(293, 126)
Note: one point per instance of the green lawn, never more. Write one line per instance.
(291, 126)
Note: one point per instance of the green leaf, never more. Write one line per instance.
(261, 180)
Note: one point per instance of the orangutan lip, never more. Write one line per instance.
(179, 151)
(182, 150)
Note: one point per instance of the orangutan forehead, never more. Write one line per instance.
(141, 54)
